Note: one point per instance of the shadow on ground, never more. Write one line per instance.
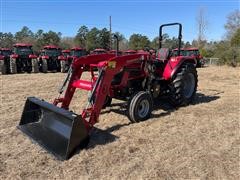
(102, 137)
(161, 103)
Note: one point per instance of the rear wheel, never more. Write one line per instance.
(35, 68)
(140, 107)
(3, 68)
(44, 65)
(13, 66)
(63, 66)
(184, 85)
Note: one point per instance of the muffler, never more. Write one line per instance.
(57, 130)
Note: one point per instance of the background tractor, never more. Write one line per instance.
(194, 53)
(49, 59)
(69, 56)
(23, 59)
(137, 79)
(5, 60)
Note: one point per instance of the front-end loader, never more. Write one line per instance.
(135, 78)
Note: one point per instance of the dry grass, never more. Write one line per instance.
(199, 141)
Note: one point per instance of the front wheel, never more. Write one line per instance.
(44, 66)
(63, 66)
(184, 85)
(13, 66)
(3, 68)
(140, 107)
(35, 68)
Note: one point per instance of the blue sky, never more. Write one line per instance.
(128, 17)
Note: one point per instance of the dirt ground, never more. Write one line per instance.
(200, 141)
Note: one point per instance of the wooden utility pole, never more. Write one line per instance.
(110, 32)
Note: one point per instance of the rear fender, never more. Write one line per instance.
(62, 58)
(45, 57)
(173, 65)
(32, 56)
(14, 56)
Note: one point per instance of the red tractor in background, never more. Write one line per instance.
(5, 60)
(23, 59)
(70, 55)
(137, 79)
(49, 59)
(194, 53)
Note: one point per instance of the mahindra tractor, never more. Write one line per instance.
(49, 59)
(5, 60)
(69, 56)
(23, 59)
(194, 53)
(137, 79)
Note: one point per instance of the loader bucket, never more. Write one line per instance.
(57, 130)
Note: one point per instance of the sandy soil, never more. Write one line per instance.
(199, 141)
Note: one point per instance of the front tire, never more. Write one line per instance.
(35, 68)
(44, 66)
(140, 107)
(3, 68)
(63, 66)
(13, 66)
(184, 85)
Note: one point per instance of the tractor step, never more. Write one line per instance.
(57, 130)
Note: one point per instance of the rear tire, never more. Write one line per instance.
(35, 68)
(63, 66)
(140, 107)
(44, 66)
(3, 68)
(184, 85)
(13, 66)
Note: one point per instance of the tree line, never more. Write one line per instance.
(85, 38)
(226, 50)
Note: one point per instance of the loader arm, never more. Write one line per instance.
(109, 65)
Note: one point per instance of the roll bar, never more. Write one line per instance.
(179, 35)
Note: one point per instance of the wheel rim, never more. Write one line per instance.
(143, 108)
(189, 85)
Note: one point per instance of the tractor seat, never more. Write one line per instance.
(163, 54)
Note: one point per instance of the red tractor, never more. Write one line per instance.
(5, 60)
(61, 131)
(49, 59)
(194, 53)
(23, 59)
(69, 56)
